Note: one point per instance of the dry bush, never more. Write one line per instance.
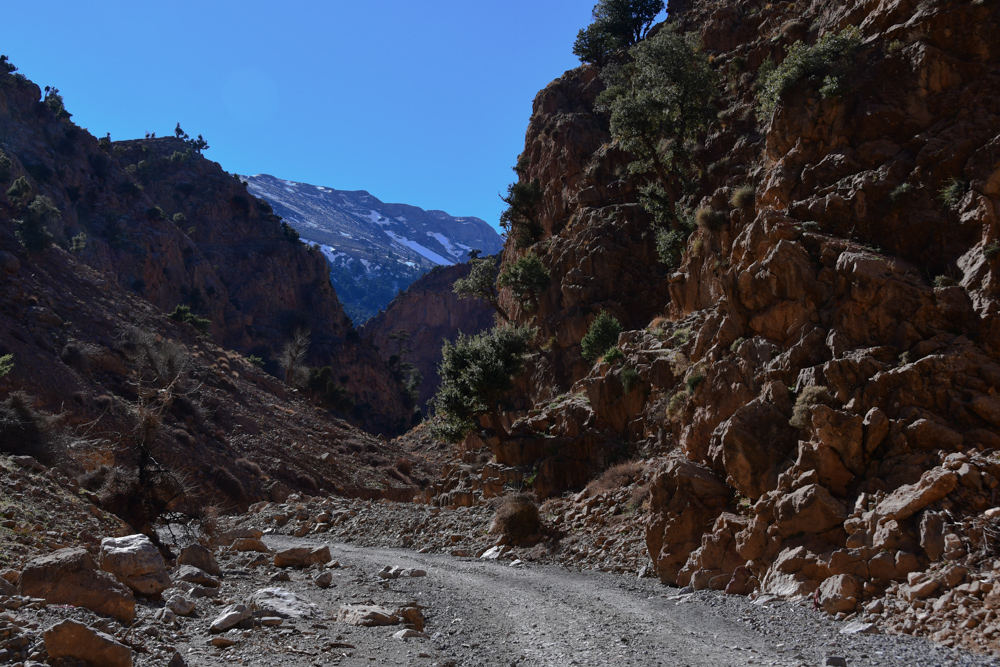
(26, 432)
(397, 475)
(808, 397)
(250, 468)
(209, 528)
(616, 477)
(516, 518)
(138, 502)
(307, 482)
(228, 483)
(711, 219)
(404, 465)
(640, 494)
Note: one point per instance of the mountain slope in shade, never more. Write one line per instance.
(374, 249)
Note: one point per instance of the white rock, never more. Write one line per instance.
(181, 605)
(283, 602)
(858, 628)
(137, 563)
(230, 617)
(495, 552)
(408, 634)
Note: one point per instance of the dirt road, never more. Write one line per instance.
(491, 613)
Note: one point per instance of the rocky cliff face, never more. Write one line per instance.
(429, 313)
(175, 229)
(375, 249)
(816, 379)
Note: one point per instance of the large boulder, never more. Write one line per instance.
(839, 593)
(367, 615)
(230, 617)
(909, 499)
(753, 446)
(195, 575)
(137, 563)
(810, 509)
(302, 556)
(70, 639)
(686, 500)
(70, 576)
(199, 557)
(282, 602)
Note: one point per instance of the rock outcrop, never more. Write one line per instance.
(429, 313)
(156, 218)
(818, 371)
(70, 576)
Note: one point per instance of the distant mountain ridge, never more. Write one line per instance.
(374, 249)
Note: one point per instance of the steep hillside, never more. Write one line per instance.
(812, 373)
(149, 412)
(162, 221)
(427, 314)
(375, 250)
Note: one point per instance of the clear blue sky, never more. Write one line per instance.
(423, 103)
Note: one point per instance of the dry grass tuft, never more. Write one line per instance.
(616, 477)
(516, 518)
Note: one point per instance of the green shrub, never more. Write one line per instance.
(630, 379)
(155, 213)
(19, 190)
(256, 360)
(743, 197)
(832, 56)
(179, 219)
(659, 102)
(6, 364)
(694, 381)
(79, 242)
(521, 217)
(480, 283)
(526, 278)
(809, 396)
(291, 234)
(54, 101)
(477, 373)
(953, 192)
(5, 167)
(33, 227)
(944, 281)
(328, 391)
(736, 344)
(601, 337)
(184, 314)
(991, 250)
(670, 245)
(676, 403)
(618, 24)
(900, 192)
(613, 355)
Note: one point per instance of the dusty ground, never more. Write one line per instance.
(491, 613)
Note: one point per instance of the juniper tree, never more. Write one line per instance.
(659, 102)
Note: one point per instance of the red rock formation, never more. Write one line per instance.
(431, 313)
(810, 356)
